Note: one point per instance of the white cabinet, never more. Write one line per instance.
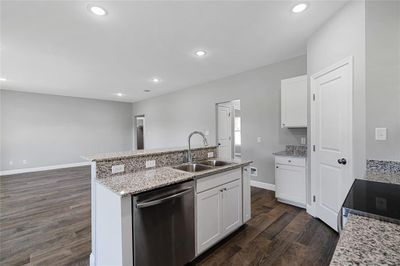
(290, 180)
(209, 218)
(231, 207)
(246, 194)
(218, 209)
(294, 102)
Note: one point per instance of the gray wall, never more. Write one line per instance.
(170, 118)
(383, 78)
(341, 36)
(49, 130)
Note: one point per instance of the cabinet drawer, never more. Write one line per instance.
(205, 183)
(290, 161)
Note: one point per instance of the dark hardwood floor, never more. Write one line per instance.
(45, 220)
(45, 217)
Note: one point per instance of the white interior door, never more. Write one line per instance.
(224, 131)
(331, 158)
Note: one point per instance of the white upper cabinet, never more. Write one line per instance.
(294, 102)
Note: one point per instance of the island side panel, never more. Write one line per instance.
(113, 228)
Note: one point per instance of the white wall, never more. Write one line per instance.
(383, 78)
(170, 118)
(49, 130)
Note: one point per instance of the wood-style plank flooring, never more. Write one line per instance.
(45, 220)
(277, 234)
(45, 217)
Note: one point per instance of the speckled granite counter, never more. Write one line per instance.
(293, 151)
(134, 183)
(382, 176)
(367, 241)
(290, 154)
(137, 182)
(139, 153)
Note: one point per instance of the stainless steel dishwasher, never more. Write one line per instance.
(163, 226)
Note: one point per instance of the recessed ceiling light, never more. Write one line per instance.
(299, 8)
(200, 53)
(156, 80)
(147, 90)
(99, 11)
(119, 94)
(3, 79)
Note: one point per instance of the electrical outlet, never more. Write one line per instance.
(115, 169)
(210, 154)
(24, 162)
(150, 163)
(253, 171)
(303, 140)
(206, 132)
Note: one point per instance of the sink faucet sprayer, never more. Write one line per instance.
(190, 136)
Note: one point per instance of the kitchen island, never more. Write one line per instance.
(220, 196)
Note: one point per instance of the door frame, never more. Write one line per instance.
(313, 137)
(230, 105)
(134, 135)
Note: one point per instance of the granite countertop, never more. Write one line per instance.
(141, 181)
(382, 176)
(290, 154)
(136, 153)
(368, 241)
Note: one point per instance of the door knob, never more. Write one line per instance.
(342, 161)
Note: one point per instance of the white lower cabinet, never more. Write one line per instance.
(231, 207)
(209, 218)
(218, 213)
(290, 181)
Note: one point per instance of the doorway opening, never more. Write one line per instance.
(229, 135)
(139, 130)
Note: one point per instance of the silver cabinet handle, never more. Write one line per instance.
(159, 201)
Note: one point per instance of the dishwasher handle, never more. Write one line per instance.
(159, 201)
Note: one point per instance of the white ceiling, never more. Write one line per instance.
(60, 48)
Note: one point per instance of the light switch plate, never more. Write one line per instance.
(115, 169)
(210, 154)
(380, 133)
(150, 163)
(259, 139)
(206, 132)
(303, 140)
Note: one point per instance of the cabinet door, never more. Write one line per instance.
(246, 194)
(209, 219)
(231, 206)
(294, 102)
(290, 183)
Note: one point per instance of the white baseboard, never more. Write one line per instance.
(42, 168)
(263, 185)
(92, 261)
(310, 210)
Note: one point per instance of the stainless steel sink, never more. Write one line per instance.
(193, 167)
(215, 163)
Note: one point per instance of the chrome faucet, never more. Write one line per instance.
(189, 157)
